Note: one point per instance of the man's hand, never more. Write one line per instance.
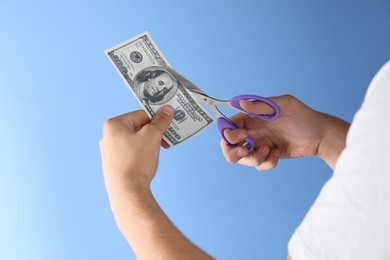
(130, 147)
(130, 150)
(298, 131)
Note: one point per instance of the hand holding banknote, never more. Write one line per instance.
(143, 68)
(130, 151)
(126, 158)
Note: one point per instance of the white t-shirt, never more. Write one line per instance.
(350, 219)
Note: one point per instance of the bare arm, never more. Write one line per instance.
(333, 142)
(129, 167)
(299, 131)
(147, 229)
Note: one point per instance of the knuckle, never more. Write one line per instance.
(263, 167)
(289, 97)
(258, 160)
(158, 116)
(230, 159)
(161, 120)
(268, 165)
(291, 100)
(152, 128)
(109, 125)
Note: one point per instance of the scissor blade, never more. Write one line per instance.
(185, 82)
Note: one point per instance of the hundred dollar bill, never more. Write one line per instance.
(141, 65)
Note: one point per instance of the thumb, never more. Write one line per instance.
(163, 118)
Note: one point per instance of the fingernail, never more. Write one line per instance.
(168, 110)
(264, 151)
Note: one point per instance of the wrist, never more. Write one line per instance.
(128, 195)
(118, 183)
(334, 139)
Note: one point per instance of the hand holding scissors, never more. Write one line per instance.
(224, 122)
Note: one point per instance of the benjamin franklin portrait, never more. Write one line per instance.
(155, 86)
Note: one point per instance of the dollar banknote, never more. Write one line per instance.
(142, 66)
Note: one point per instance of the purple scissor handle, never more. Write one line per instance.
(235, 102)
(223, 123)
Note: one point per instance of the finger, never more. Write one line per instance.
(257, 157)
(271, 161)
(239, 119)
(235, 136)
(132, 121)
(164, 144)
(135, 119)
(233, 154)
(257, 107)
(162, 119)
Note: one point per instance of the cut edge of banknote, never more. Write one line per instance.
(167, 136)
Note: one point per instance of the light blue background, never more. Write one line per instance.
(57, 88)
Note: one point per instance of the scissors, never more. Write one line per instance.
(224, 122)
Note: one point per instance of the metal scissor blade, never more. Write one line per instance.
(185, 82)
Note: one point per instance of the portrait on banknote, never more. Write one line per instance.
(155, 86)
(142, 66)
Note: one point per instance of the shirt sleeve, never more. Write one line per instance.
(350, 219)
